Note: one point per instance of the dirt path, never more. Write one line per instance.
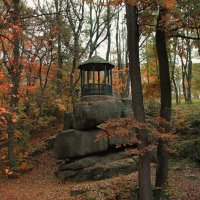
(41, 184)
(37, 184)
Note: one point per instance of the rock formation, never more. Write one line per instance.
(85, 158)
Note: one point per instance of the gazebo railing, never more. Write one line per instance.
(96, 89)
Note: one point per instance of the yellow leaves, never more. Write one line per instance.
(60, 105)
(4, 138)
(17, 134)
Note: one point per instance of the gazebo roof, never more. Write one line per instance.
(97, 61)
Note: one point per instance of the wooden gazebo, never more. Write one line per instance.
(96, 77)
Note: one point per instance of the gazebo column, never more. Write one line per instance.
(93, 81)
(88, 77)
(81, 80)
(105, 77)
(96, 76)
(99, 81)
(108, 76)
(111, 80)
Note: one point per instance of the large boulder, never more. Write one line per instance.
(88, 115)
(189, 148)
(97, 167)
(68, 120)
(76, 143)
(126, 108)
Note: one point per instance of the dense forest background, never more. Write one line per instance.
(155, 46)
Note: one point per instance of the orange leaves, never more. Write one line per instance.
(10, 36)
(152, 91)
(8, 171)
(23, 167)
(122, 128)
(118, 2)
(3, 138)
(60, 105)
(55, 30)
(1, 75)
(10, 85)
(126, 128)
(168, 4)
(18, 29)
(14, 119)
(120, 77)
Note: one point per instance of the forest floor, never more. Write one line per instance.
(41, 184)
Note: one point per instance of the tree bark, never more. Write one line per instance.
(173, 63)
(189, 74)
(118, 43)
(108, 32)
(14, 73)
(145, 189)
(59, 50)
(165, 111)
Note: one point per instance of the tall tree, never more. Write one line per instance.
(165, 87)
(11, 59)
(145, 189)
(108, 30)
(58, 6)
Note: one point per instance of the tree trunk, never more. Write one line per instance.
(11, 141)
(165, 111)
(118, 44)
(183, 83)
(145, 189)
(14, 73)
(189, 74)
(108, 32)
(173, 73)
(59, 50)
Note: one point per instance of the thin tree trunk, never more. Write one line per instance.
(183, 79)
(147, 65)
(108, 32)
(189, 74)
(59, 51)
(173, 73)
(74, 65)
(165, 111)
(145, 189)
(118, 45)
(15, 78)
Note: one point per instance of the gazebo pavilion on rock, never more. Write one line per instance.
(96, 77)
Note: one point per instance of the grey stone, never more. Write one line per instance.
(79, 164)
(64, 175)
(126, 108)
(88, 115)
(76, 143)
(68, 120)
(104, 168)
(115, 141)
